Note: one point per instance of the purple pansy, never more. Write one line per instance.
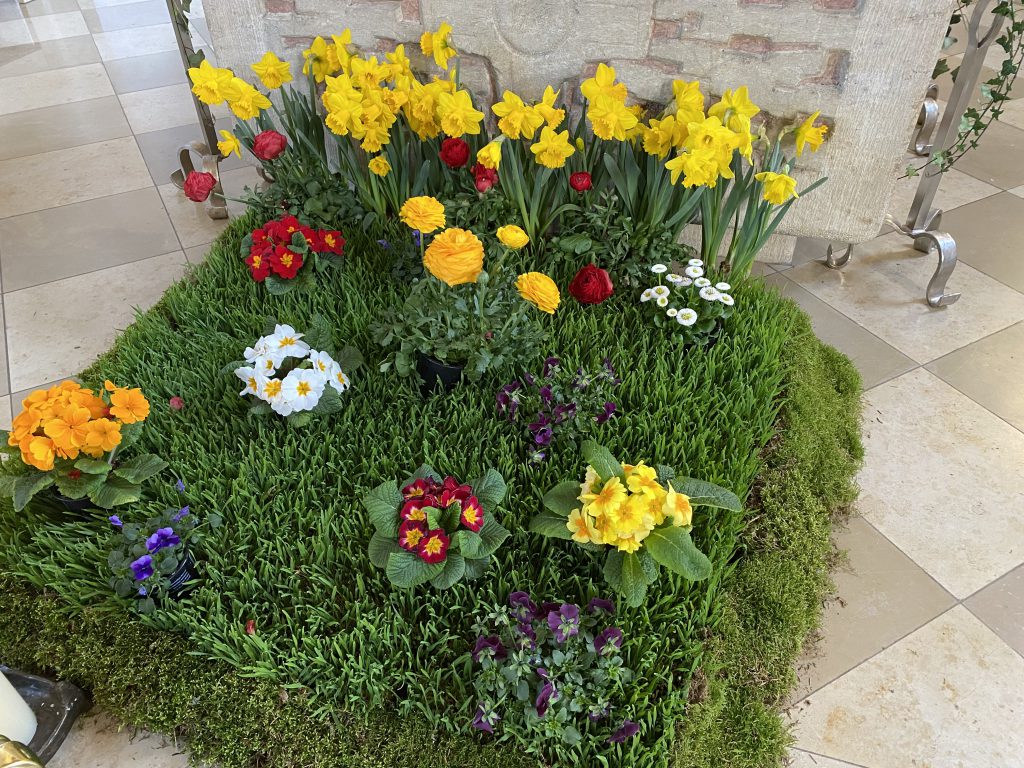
(627, 730)
(484, 720)
(550, 366)
(609, 637)
(383, 243)
(180, 514)
(543, 436)
(565, 622)
(490, 647)
(115, 521)
(544, 699)
(607, 413)
(600, 604)
(417, 238)
(161, 539)
(523, 608)
(180, 485)
(142, 568)
(143, 591)
(545, 394)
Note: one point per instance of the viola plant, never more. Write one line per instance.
(689, 306)
(550, 675)
(430, 529)
(284, 374)
(639, 517)
(285, 254)
(70, 437)
(152, 560)
(559, 406)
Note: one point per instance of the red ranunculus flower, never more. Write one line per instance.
(410, 534)
(268, 145)
(484, 178)
(259, 266)
(592, 285)
(434, 546)
(413, 508)
(285, 262)
(454, 152)
(198, 186)
(581, 181)
(330, 241)
(472, 514)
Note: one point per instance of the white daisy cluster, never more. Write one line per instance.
(683, 285)
(301, 387)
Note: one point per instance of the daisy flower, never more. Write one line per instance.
(662, 301)
(686, 317)
(674, 278)
(694, 271)
(660, 291)
(726, 299)
(671, 311)
(723, 286)
(659, 269)
(685, 282)
(647, 295)
(695, 263)
(700, 282)
(709, 293)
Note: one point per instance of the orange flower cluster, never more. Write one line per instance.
(66, 420)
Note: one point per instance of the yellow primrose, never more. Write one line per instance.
(644, 479)
(553, 148)
(634, 517)
(458, 115)
(512, 236)
(210, 83)
(245, 101)
(677, 506)
(489, 155)
(229, 143)
(808, 135)
(436, 44)
(610, 118)
(517, 119)
(581, 525)
(734, 104)
(630, 543)
(778, 187)
(272, 72)
(611, 496)
(547, 110)
(603, 84)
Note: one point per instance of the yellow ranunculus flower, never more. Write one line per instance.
(210, 83)
(422, 213)
(512, 236)
(546, 108)
(610, 118)
(380, 166)
(808, 135)
(553, 148)
(778, 187)
(457, 114)
(517, 119)
(436, 44)
(245, 101)
(272, 72)
(229, 143)
(455, 256)
(603, 84)
(489, 155)
(540, 290)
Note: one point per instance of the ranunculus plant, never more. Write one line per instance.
(640, 516)
(435, 529)
(591, 285)
(198, 185)
(285, 254)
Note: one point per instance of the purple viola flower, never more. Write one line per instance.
(523, 608)
(181, 514)
(180, 485)
(600, 604)
(489, 647)
(547, 695)
(606, 413)
(115, 521)
(547, 607)
(384, 244)
(610, 637)
(543, 436)
(538, 457)
(142, 568)
(545, 394)
(542, 673)
(550, 366)
(484, 720)
(528, 378)
(627, 730)
(527, 636)
(565, 622)
(143, 591)
(161, 539)
(541, 422)
(563, 412)
(417, 238)
(595, 715)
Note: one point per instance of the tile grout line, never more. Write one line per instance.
(829, 757)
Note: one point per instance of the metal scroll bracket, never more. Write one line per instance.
(218, 205)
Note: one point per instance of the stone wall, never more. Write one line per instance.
(864, 63)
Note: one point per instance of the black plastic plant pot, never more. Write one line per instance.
(434, 374)
(73, 505)
(182, 575)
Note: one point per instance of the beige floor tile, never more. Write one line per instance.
(5, 412)
(883, 287)
(4, 374)
(193, 225)
(62, 126)
(38, 29)
(11, 10)
(990, 372)
(160, 149)
(876, 360)
(106, 232)
(140, 73)
(57, 329)
(988, 235)
(1001, 606)
(947, 696)
(798, 758)
(941, 480)
(955, 190)
(197, 254)
(97, 741)
(136, 41)
(53, 54)
(881, 595)
(51, 87)
(138, 14)
(88, 4)
(999, 157)
(159, 108)
(71, 176)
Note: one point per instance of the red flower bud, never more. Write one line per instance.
(198, 186)
(592, 285)
(454, 152)
(581, 181)
(268, 145)
(250, 627)
(483, 177)
(74, 474)
(176, 403)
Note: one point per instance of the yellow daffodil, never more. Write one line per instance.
(458, 115)
(517, 119)
(229, 143)
(778, 187)
(547, 110)
(398, 63)
(455, 256)
(662, 135)
(422, 213)
(808, 135)
(699, 168)
(245, 101)
(436, 44)
(368, 73)
(688, 98)
(610, 118)
(321, 59)
(512, 236)
(637, 130)
(209, 83)
(734, 104)
(339, 54)
(379, 166)
(540, 290)
(272, 72)
(603, 84)
(553, 148)
(489, 155)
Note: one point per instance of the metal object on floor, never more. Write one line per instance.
(937, 136)
(16, 755)
(206, 150)
(56, 706)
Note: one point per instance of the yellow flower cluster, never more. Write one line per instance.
(622, 514)
(66, 420)
(215, 85)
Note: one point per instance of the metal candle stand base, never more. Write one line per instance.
(923, 221)
(56, 707)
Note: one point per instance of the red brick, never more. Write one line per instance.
(411, 11)
(774, 3)
(662, 29)
(837, 5)
(834, 71)
(279, 6)
(750, 44)
(296, 41)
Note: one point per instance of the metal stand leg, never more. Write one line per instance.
(945, 245)
(833, 261)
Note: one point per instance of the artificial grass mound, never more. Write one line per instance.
(345, 670)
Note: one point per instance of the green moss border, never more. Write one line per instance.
(769, 603)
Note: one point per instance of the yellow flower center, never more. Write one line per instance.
(303, 389)
(287, 341)
(433, 546)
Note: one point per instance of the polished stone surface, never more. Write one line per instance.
(62, 126)
(50, 87)
(1001, 606)
(984, 232)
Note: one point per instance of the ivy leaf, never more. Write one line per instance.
(601, 459)
(548, 523)
(406, 570)
(705, 494)
(381, 548)
(490, 489)
(141, 468)
(454, 570)
(27, 486)
(674, 549)
(383, 504)
(563, 498)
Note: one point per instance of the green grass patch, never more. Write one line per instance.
(343, 669)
